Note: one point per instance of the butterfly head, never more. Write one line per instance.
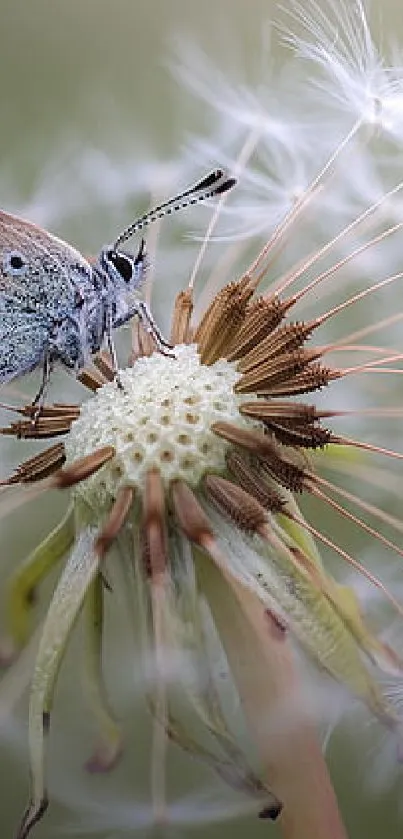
(125, 270)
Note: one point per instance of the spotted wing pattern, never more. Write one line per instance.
(41, 282)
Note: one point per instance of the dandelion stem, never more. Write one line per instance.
(266, 679)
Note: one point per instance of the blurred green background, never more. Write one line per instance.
(93, 74)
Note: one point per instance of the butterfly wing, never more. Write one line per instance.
(40, 277)
(23, 337)
(36, 267)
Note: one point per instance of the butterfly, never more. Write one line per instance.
(56, 306)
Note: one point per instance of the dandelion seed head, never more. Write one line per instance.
(161, 419)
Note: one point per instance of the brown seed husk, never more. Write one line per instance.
(223, 318)
(40, 466)
(285, 339)
(43, 428)
(234, 503)
(189, 514)
(181, 332)
(92, 379)
(274, 371)
(115, 520)
(262, 316)
(249, 478)
(155, 546)
(103, 363)
(82, 468)
(272, 409)
(314, 378)
(269, 454)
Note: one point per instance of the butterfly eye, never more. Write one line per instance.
(122, 263)
(15, 264)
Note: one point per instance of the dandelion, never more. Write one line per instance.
(187, 478)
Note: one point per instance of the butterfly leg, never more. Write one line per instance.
(146, 318)
(112, 350)
(39, 400)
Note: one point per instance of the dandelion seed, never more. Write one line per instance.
(355, 76)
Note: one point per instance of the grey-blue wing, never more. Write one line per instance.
(49, 274)
(23, 338)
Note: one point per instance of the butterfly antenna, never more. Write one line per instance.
(215, 183)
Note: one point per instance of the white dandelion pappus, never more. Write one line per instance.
(353, 74)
